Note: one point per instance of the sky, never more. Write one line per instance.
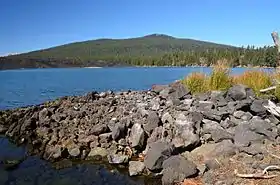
(27, 25)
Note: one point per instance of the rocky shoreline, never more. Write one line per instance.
(164, 131)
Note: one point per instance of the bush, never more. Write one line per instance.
(256, 80)
(220, 78)
(196, 82)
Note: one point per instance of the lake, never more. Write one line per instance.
(34, 86)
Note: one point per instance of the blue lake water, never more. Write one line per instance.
(34, 86)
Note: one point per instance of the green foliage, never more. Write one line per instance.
(151, 50)
(196, 82)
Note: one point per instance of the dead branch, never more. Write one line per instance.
(276, 40)
(268, 89)
(262, 175)
(272, 167)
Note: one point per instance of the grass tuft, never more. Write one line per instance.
(196, 82)
(220, 78)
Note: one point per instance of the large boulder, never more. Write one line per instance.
(118, 131)
(157, 153)
(185, 135)
(244, 136)
(137, 135)
(240, 92)
(262, 127)
(210, 151)
(178, 90)
(176, 169)
(257, 108)
(153, 121)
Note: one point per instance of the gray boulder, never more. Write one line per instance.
(205, 105)
(185, 135)
(135, 168)
(244, 136)
(262, 127)
(158, 88)
(220, 134)
(153, 121)
(176, 169)
(74, 151)
(157, 153)
(179, 90)
(118, 131)
(155, 104)
(98, 151)
(238, 114)
(239, 92)
(257, 108)
(253, 149)
(99, 129)
(137, 135)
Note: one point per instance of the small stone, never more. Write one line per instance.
(117, 159)
(135, 168)
(247, 116)
(99, 129)
(98, 151)
(74, 151)
(238, 114)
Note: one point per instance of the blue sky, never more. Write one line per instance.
(28, 25)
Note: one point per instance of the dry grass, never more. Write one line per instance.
(220, 78)
(254, 79)
(196, 82)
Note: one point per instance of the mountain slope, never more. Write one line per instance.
(150, 45)
(106, 52)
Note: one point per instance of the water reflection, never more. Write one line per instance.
(34, 171)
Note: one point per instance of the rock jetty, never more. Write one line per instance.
(164, 131)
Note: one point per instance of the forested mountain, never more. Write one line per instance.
(155, 49)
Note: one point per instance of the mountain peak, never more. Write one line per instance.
(158, 35)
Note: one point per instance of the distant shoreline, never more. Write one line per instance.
(97, 67)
